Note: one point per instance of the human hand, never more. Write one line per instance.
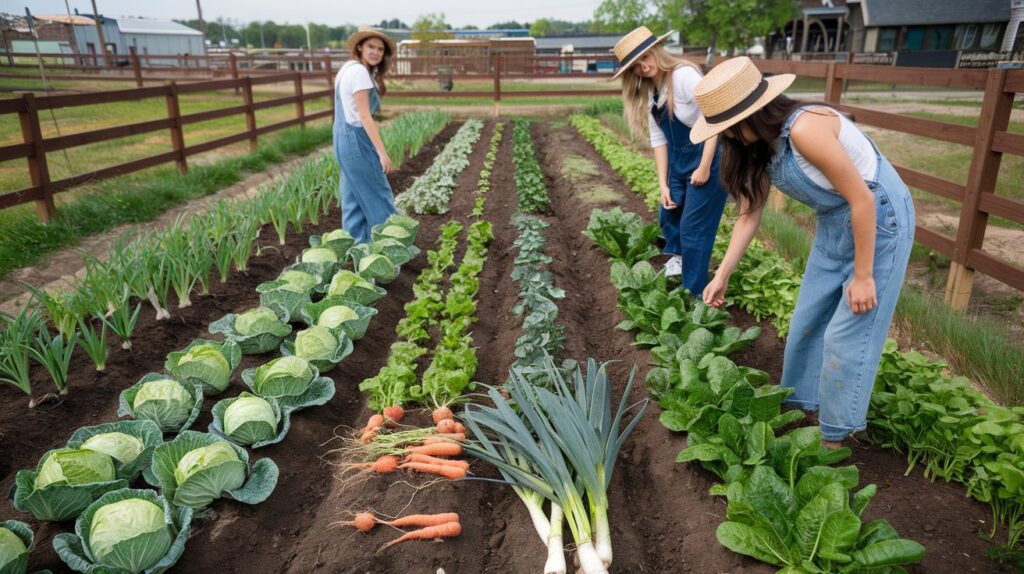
(860, 295)
(666, 198)
(714, 293)
(700, 176)
(385, 163)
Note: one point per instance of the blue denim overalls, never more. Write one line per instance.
(366, 197)
(831, 354)
(690, 228)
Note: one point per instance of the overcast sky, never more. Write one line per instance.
(331, 12)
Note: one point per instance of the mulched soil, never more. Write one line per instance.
(663, 520)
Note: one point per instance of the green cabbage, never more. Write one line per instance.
(12, 547)
(335, 235)
(334, 316)
(125, 448)
(345, 280)
(298, 281)
(208, 364)
(286, 376)
(250, 419)
(75, 466)
(258, 320)
(319, 255)
(131, 534)
(209, 457)
(396, 231)
(165, 402)
(316, 342)
(371, 261)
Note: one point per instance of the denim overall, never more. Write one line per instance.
(832, 355)
(366, 197)
(690, 227)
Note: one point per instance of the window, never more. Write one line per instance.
(940, 38)
(887, 39)
(965, 37)
(914, 39)
(990, 36)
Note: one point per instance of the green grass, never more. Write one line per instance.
(138, 197)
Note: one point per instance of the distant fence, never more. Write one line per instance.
(977, 198)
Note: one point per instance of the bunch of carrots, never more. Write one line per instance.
(432, 526)
(419, 450)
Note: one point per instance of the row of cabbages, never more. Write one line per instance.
(119, 529)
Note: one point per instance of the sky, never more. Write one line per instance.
(331, 12)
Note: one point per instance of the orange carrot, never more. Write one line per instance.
(441, 413)
(437, 449)
(459, 428)
(383, 465)
(394, 413)
(451, 437)
(443, 470)
(375, 422)
(422, 520)
(368, 436)
(446, 530)
(446, 426)
(364, 522)
(434, 460)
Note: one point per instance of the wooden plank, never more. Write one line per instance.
(318, 115)
(21, 196)
(930, 183)
(942, 78)
(997, 268)
(109, 97)
(275, 79)
(278, 126)
(114, 171)
(319, 94)
(441, 94)
(214, 144)
(12, 106)
(15, 151)
(212, 114)
(1014, 81)
(105, 134)
(993, 204)
(808, 69)
(937, 241)
(177, 133)
(39, 171)
(273, 103)
(945, 131)
(1005, 142)
(204, 86)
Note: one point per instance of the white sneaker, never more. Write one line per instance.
(674, 266)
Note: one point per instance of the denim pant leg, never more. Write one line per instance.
(668, 219)
(702, 212)
(366, 198)
(352, 218)
(853, 343)
(820, 292)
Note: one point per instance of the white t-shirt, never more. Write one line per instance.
(684, 106)
(856, 145)
(352, 77)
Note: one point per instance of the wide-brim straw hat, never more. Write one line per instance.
(635, 44)
(365, 32)
(730, 92)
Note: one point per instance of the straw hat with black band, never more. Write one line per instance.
(365, 32)
(635, 44)
(730, 92)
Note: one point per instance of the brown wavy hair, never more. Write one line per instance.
(380, 70)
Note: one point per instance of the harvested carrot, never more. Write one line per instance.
(442, 470)
(375, 422)
(364, 522)
(394, 413)
(441, 413)
(368, 436)
(383, 465)
(422, 520)
(459, 428)
(416, 457)
(446, 530)
(451, 437)
(437, 449)
(446, 426)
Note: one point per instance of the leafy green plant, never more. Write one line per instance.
(292, 381)
(65, 483)
(173, 406)
(121, 319)
(208, 364)
(322, 347)
(623, 235)
(337, 313)
(94, 343)
(129, 444)
(375, 266)
(54, 354)
(15, 341)
(431, 191)
(352, 286)
(542, 335)
(255, 331)
(533, 193)
(16, 544)
(249, 420)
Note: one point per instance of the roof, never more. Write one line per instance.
(164, 27)
(577, 42)
(65, 19)
(924, 12)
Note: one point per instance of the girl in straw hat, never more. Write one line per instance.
(864, 233)
(657, 90)
(366, 197)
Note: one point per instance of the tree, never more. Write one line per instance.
(507, 25)
(430, 27)
(540, 27)
(621, 16)
(727, 24)
(393, 24)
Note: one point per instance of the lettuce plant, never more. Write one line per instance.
(172, 405)
(205, 363)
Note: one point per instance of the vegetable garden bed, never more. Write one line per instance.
(661, 515)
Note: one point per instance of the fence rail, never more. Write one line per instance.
(978, 201)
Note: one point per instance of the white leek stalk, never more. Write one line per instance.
(556, 549)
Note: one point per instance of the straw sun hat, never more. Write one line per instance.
(633, 45)
(730, 92)
(365, 32)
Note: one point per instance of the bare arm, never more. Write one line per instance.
(701, 175)
(362, 98)
(816, 136)
(742, 234)
(661, 163)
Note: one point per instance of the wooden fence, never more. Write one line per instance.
(977, 198)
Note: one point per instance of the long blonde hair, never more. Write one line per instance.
(636, 91)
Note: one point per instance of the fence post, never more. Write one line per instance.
(833, 86)
(300, 108)
(177, 134)
(981, 179)
(328, 72)
(136, 66)
(233, 62)
(250, 113)
(496, 62)
(37, 168)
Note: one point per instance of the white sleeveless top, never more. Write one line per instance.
(857, 146)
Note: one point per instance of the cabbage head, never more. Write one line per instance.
(122, 447)
(131, 534)
(333, 317)
(319, 255)
(316, 342)
(205, 472)
(285, 376)
(257, 321)
(261, 329)
(12, 549)
(129, 443)
(68, 466)
(338, 241)
(249, 419)
(299, 281)
(335, 235)
(206, 363)
(165, 402)
(353, 287)
(65, 483)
